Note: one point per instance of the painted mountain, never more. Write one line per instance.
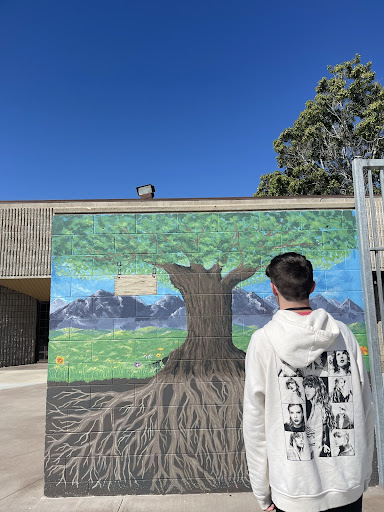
(250, 309)
(57, 304)
(347, 311)
(103, 310)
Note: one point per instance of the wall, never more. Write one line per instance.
(25, 241)
(145, 388)
(17, 328)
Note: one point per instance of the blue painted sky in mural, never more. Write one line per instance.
(98, 97)
(340, 282)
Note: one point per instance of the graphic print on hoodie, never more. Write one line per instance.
(317, 406)
(317, 454)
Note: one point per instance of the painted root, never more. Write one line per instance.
(181, 432)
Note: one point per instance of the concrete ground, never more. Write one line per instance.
(22, 420)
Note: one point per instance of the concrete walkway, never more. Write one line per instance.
(22, 421)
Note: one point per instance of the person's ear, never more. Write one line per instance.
(274, 290)
(313, 286)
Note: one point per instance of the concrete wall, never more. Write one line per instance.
(17, 328)
(25, 241)
(151, 315)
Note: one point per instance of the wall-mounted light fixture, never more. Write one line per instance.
(146, 191)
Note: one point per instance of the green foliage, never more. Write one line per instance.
(120, 223)
(197, 222)
(73, 225)
(238, 221)
(245, 239)
(146, 223)
(140, 244)
(345, 120)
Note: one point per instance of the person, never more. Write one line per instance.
(341, 362)
(297, 446)
(342, 443)
(296, 418)
(293, 393)
(298, 336)
(340, 391)
(342, 419)
(320, 420)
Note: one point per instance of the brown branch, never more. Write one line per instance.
(215, 269)
(239, 274)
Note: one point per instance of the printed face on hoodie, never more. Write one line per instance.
(299, 440)
(341, 438)
(341, 358)
(296, 414)
(309, 392)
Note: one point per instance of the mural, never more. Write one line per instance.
(151, 315)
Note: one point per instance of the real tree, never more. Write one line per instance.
(345, 120)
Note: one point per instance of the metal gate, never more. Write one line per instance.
(365, 172)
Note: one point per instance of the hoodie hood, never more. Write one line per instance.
(300, 339)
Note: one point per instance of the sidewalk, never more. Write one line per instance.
(22, 399)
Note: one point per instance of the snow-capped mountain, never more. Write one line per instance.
(103, 310)
(57, 304)
(250, 309)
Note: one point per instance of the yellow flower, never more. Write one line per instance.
(158, 355)
(59, 360)
(364, 351)
(160, 348)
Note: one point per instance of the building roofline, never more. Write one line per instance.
(201, 204)
(173, 199)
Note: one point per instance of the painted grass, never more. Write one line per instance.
(360, 333)
(89, 355)
(92, 355)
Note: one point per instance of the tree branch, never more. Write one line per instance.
(239, 274)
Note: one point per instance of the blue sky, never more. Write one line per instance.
(98, 97)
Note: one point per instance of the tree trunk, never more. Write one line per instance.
(208, 349)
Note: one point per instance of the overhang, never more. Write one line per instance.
(37, 287)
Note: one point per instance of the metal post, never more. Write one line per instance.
(358, 167)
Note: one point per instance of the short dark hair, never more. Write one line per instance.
(292, 274)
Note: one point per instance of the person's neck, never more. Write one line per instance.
(287, 304)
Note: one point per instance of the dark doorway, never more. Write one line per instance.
(374, 274)
(42, 333)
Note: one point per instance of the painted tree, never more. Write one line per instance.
(204, 256)
(345, 120)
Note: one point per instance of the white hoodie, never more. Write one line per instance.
(308, 414)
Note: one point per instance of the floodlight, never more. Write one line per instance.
(146, 191)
